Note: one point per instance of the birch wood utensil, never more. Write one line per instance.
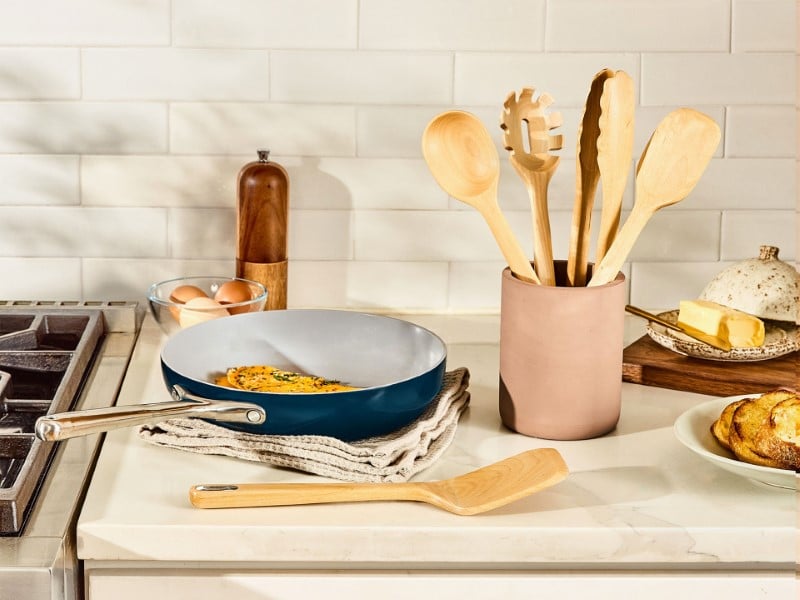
(462, 158)
(587, 175)
(614, 151)
(670, 166)
(535, 165)
(488, 488)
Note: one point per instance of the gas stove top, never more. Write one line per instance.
(54, 357)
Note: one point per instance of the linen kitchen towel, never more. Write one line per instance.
(394, 457)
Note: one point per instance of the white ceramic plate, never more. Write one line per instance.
(777, 342)
(692, 429)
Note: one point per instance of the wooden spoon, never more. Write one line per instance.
(535, 165)
(485, 489)
(614, 151)
(463, 159)
(670, 166)
(586, 177)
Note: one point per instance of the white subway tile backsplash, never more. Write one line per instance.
(393, 131)
(182, 181)
(364, 183)
(423, 235)
(82, 127)
(40, 278)
(403, 285)
(41, 179)
(320, 235)
(662, 285)
(740, 183)
(124, 125)
(764, 26)
(202, 233)
(265, 23)
(241, 128)
(744, 231)
(762, 79)
(452, 24)
(485, 79)
(361, 77)
(368, 285)
(84, 22)
(630, 25)
(678, 235)
(129, 279)
(39, 73)
(175, 74)
(77, 231)
(475, 285)
(761, 131)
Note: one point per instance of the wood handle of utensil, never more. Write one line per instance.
(542, 242)
(509, 246)
(609, 218)
(618, 253)
(273, 276)
(578, 257)
(245, 495)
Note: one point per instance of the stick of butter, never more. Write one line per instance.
(739, 329)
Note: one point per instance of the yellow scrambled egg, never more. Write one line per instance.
(263, 378)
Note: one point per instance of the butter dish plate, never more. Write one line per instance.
(778, 341)
(693, 430)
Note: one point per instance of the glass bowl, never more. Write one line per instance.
(185, 301)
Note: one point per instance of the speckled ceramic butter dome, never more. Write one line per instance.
(766, 287)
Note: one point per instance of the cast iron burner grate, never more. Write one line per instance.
(44, 355)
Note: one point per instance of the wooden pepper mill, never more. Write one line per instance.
(262, 220)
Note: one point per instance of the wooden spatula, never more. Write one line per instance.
(587, 174)
(670, 166)
(488, 488)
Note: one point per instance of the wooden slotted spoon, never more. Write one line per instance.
(614, 151)
(534, 164)
(670, 166)
(463, 159)
(488, 488)
(587, 175)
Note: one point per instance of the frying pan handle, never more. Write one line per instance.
(62, 426)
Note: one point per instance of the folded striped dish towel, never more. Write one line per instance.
(389, 458)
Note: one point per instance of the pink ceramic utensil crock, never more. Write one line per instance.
(561, 357)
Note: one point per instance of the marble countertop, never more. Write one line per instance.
(635, 498)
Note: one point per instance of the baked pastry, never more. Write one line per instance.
(763, 430)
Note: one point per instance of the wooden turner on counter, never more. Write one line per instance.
(670, 167)
(525, 118)
(487, 488)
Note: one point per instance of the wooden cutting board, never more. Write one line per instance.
(647, 363)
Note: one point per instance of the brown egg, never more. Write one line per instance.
(200, 309)
(232, 292)
(181, 295)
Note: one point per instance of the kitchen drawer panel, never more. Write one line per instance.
(212, 584)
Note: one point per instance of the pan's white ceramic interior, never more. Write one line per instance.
(359, 349)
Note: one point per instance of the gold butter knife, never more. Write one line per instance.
(693, 333)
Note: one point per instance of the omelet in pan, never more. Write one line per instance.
(264, 378)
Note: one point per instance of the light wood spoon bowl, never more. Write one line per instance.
(488, 488)
(670, 167)
(463, 159)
